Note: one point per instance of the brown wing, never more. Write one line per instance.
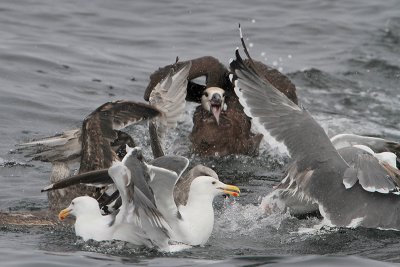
(214, 71)
(99, 130)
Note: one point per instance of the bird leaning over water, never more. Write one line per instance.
(220, 127)
(100, 141)
(149, 214)
(349, 186)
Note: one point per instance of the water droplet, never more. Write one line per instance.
(263, 54)
(253, 21)
(275, 63)
(289, 56)
(251, 44)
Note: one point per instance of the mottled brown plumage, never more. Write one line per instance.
(233, 134)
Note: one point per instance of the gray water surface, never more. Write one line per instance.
(59, 60)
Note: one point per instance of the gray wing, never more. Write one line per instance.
(170, 93)
(136, 208)
(371, 174)
(64, 147)
(280, 118)
(168, 96)
(177, 164)
(138, 171)
(378, 145)
(306, 141)
(164, 172)
(181, 190)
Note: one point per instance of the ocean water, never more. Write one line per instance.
(59, 60)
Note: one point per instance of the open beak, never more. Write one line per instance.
(64, 214)
(216, 106)
(231, 190)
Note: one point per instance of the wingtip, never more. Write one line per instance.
(47, 188)
(240, 32)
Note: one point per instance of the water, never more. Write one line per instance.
(62, 59)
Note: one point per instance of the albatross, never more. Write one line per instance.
(100, 140)
(220, 127)
(349, 186)
(149, 214)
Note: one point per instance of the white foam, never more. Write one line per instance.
(355, 222)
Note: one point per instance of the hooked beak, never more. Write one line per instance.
(64, 214)
(216, 106)
(231, 190)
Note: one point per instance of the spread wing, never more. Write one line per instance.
(64, 147)
(164, 172)
(306, 141)
(168, 96)
(137, 208)
(99, 129)
(372, 175)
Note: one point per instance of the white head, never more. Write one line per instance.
(213, 100)
(84, 205)
(209, 186)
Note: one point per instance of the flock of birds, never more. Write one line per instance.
(349, 180)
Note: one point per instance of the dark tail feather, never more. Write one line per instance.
(96, 178)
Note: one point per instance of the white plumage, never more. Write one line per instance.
(153, 220)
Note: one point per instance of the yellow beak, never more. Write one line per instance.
(64, 214)
(231, 190)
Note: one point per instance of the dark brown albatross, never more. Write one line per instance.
(230, 132)
(99, 141)
(95, 146)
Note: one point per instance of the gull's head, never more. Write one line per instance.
(207, 185)
(84, 205)
(213, 100)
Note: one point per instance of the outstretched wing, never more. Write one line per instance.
(279, 117)
(378, 145)
(99, 129)
(169, 97)
(304, 138)
(64, 147)
(164, 172)
(137, 208)
(372, 174)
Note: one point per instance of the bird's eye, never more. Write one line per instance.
(205, 94)
(72, 203)
(214, 182)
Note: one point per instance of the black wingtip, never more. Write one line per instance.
(236, 63)
(47, 188)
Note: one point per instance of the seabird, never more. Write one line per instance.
(213, 101)
(226, 130)
(349, 186)
(149, 214)
(99, 141)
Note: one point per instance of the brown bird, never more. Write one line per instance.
(220, 125)
(99, 141)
